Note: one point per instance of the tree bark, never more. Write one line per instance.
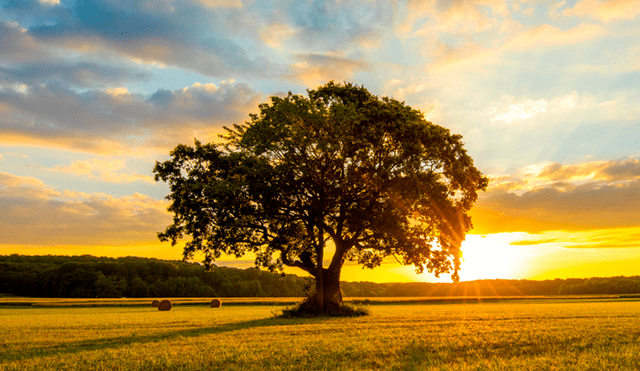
(320, 281)
(331, 293)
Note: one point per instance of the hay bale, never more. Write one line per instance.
(155, 303)
(165, 305)
(216, 303)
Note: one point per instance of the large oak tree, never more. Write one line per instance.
(339, 170)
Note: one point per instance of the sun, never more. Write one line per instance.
(491, 257)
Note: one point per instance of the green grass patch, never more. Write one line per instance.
(303, 310)
(508, 335)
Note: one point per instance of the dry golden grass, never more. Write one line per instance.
(601, 334)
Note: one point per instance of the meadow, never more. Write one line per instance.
(549, 334)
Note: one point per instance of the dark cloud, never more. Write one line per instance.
(625, 168)
(187, 34)
(80, 74)
(106, 120)
(213, 41)
(593, 195)
(33, 12)
(207, 102)
(614, 170)
(332, 25)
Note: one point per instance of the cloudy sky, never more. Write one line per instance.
(546, 95)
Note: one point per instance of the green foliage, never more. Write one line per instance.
(368, 174)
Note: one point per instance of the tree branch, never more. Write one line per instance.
(304, 265)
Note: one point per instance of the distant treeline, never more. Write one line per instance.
(573, 286)
(89, 277)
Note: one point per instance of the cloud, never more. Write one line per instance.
(609, 171)
(104, 170)
(449, 53)
(49, 2)
(555, 197)
(521, 111)
(316, 69)
(458, 17)
(549, 36)
(134, 31)
(470, 56)
(79, 74)
(335, 25)
(275, 34)
(509, 111)
(221, 3)
(606, 11)
(12, 186)
(594, 239)
(36, 214)
(115, 121)
(19, 46)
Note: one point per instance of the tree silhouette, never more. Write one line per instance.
(340, 170)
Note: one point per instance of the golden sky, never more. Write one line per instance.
(546, 95)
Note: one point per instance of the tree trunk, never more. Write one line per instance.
(331, 294)
(320, 272)
(320, 282)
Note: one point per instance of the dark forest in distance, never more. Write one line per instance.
(88, 277)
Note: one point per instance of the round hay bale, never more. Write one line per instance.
(165, 305)
(155, 303)
(216, 303)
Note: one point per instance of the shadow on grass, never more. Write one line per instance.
(122, 341)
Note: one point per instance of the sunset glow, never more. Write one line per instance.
(545, 94)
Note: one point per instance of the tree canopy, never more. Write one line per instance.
(339, 169)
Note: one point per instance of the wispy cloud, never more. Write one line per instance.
(459, 17)
(80, 74)
(593, 239)
(315, 69)
(549, 36)
(104, 170)
(605, 10)
(335, 25)
(509, 111)
(221, 3)
(275, 34)
(467, 57)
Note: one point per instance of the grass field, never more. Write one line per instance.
(585, 334)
